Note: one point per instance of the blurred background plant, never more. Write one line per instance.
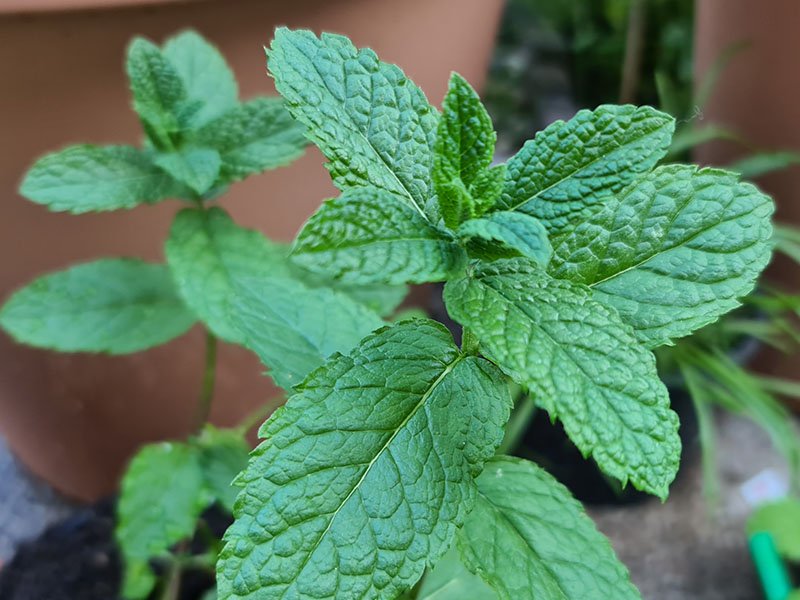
(554, 58)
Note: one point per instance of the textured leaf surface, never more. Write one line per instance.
(148, 528)
(450, 580)
(569, 167)
(464, 148)
(210, 257)
(88, 178)
(366, 472)
(293, 328)
(371, 122)
(223, 454)
(487, 187)
(112, 305)
(159, 96)
(531, 540)
(253, 137)
(673, 252)
(516, 231)
(196, 167)
(581, 363)
(205, 75)
(368, 235)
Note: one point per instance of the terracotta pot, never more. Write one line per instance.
(75, 419)
(757, 95)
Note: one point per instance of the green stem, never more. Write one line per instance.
(634, 44)
(524, 411)
(258, 415)
(172, 586)
(209, 379)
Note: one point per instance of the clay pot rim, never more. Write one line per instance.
(46, 6)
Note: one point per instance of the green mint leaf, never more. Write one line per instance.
(463, 150)
(210, 257)
(371, 122)
(206, 76)
(138, 580)
(451, 580)
(198, 168)
(293, 328)
(86, 178)
(366, 471)
(580, 362)
(530, 539)
(253, 137)
(781, 519)
(148, 528)
(368, 235)
(159, 96)
(673, 252)
(223, 454)
(117, 306)
(516, 231)
(486, 189)
(570, 167)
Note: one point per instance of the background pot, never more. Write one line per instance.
(757, 96)
(75, 419)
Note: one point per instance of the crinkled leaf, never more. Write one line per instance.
(517, 231)
(223, 454)
(198, 168)
(570, 167)
(366, 471)
(148, 525)
(368, 235)
(293, 328)
(581, 362)
(159, 96)
(486, 189)
(253, 137)
(112, 305)
(530, 539)
(372, 123)
(673, 252)
(381, 298)
(206, 76)
(464, 148)
(210, 256)
(88, 178)
(451, 580)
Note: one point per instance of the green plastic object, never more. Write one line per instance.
(771, 568)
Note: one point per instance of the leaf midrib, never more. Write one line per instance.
(445, 372)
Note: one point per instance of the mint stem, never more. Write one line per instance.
(524, 411)
(469, 342)
(209, 379)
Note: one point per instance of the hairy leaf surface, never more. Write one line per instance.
(210, 257)
(293, 328)
(570, 167)
(530, 539)
(372, 123)
(205, 75)
(88, 178)
(148, 528)
(366, 472)
(673, 252)
(368, 235)
(516, 231)
(464, 148)
(253, 137)
(581, 363)
(117, 306)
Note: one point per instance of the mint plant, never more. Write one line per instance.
(199, 139)
(565, 267)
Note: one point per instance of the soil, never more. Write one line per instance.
(77, 559)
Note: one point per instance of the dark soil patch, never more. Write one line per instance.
(77, 559)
